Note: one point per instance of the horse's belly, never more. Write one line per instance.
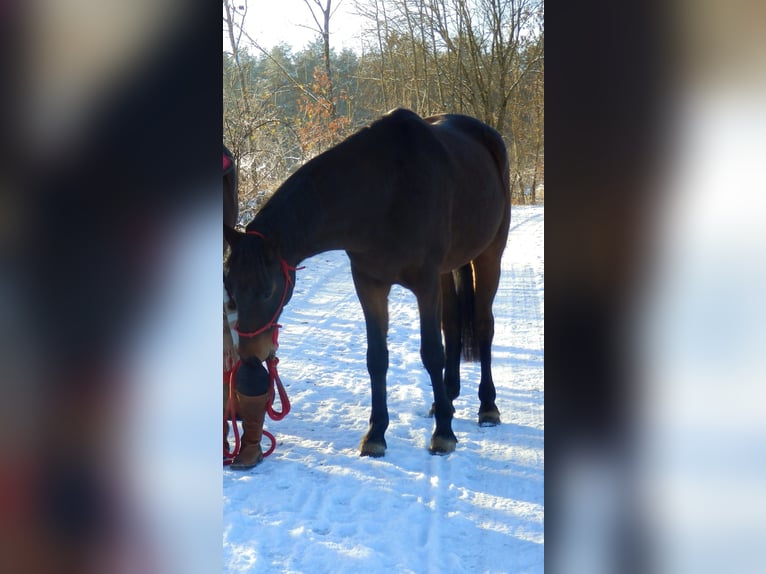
(458, 259)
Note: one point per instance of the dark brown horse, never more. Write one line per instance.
(423, 203)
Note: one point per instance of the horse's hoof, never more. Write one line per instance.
(442, 445)
(489, 418)
(373, 449)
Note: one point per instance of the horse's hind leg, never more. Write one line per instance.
(451, 328)
(487, 278)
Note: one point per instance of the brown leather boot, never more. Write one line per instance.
(253, 411)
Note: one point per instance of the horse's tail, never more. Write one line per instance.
(465, 295)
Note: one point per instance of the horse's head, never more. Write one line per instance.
(260, 283)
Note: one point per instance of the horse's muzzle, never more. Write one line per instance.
(260, 347)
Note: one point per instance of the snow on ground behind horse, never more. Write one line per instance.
(315, 506)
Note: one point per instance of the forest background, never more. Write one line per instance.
(283, 105)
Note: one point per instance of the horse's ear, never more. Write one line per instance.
(231, 235)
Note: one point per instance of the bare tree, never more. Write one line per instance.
(234, 29)
(321, 13)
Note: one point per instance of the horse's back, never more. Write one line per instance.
(480, 184)
(459, 148)
(481, 133)
(413, 190)
(448, 180)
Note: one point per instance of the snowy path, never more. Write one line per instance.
(316, 507)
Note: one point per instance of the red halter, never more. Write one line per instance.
(286, 268)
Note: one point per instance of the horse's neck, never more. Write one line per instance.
(296, 218)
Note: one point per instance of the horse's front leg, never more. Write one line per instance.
(429, 296)
(373, 296)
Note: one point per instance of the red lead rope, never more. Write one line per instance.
(271, 364)
(231, 406)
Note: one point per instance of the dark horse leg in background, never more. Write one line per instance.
(451, 325)
(427, 288)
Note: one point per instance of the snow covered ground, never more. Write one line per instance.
(315, 506)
